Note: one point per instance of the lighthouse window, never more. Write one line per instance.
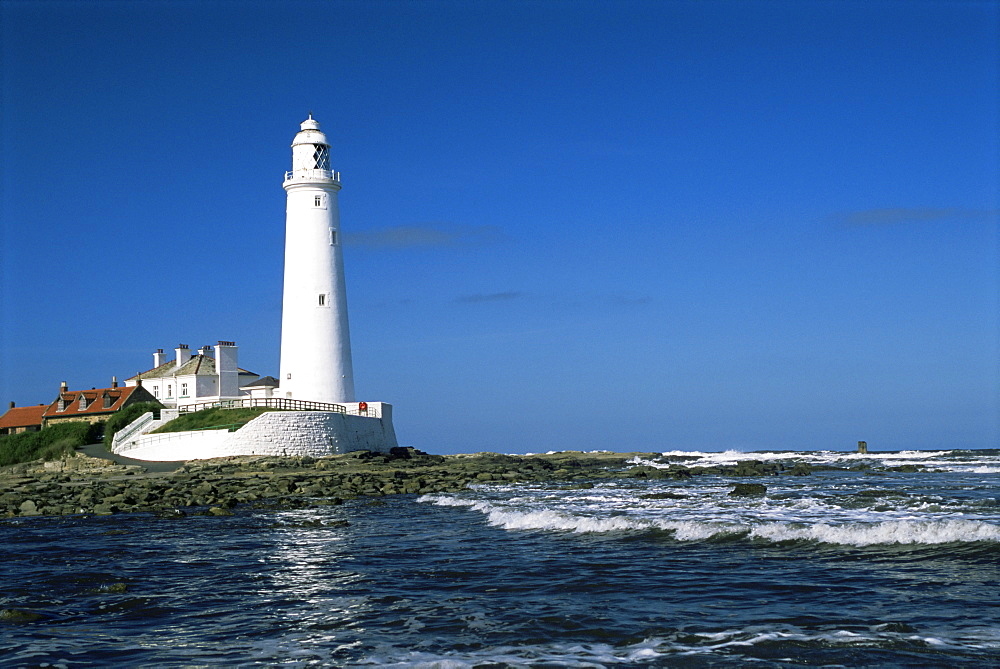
(322, 157)
(333, 237)
(318, 201)
(322, 300)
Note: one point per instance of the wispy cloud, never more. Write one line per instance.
(622, 300)
(427, 235)
(489, 297)
(915, 215)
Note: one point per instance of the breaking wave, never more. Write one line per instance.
(900, 532)
(731, 644)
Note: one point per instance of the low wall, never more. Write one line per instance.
(315, 433)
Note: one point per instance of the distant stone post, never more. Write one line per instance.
(862, 447)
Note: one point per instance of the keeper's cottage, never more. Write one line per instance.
(319, 414)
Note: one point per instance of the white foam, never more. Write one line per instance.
(732, 643)
(888, 532)
(850, 532)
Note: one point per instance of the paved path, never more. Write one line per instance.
(101, 451)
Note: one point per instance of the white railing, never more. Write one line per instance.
(313, 174)
(149, 441)
(130, 429)
(268, 402)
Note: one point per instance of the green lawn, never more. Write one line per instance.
(213, 418)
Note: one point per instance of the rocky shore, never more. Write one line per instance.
(87, 485)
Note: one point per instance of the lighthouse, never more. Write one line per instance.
(315, 360)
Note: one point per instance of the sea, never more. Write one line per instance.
(841, 568)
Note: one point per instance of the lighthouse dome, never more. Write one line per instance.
(310, 133)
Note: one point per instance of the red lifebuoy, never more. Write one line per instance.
(362, 406)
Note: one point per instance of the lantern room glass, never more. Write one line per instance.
(322, 157)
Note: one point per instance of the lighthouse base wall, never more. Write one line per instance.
(283, 433)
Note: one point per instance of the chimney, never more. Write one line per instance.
(159, 358)
(63, 388)
(114, 381)
(11, 405)
(226, 368)
(205, 350)
(183, 354)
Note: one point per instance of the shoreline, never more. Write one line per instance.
(83, 485)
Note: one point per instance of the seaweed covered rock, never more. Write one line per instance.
(748, 490)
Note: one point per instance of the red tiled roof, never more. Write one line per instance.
(94, 401)
(23, 416)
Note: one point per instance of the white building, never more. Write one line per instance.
(315, 342)
(210, 375)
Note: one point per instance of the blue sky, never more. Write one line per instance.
(568, 225)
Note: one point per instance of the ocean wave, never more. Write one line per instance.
(927, 532)
(725, 646)
(731, 457)
(924, 532)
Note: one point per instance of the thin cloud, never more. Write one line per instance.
(621, 300)
(902, 215)
(425, 236)
(489, 297)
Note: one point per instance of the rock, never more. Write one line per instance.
(748, 490)
(754, 468)
(907, 469)
(115, 588)
(171, 514)
(19, 616)
(104, 509)
(219, 511)
(801, 469)
(28, 508)
(669, 495)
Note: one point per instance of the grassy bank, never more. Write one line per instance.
(213, 418)
(50, 443)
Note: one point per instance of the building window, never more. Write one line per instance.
(156, 392)
(170, 391)
(184, 390)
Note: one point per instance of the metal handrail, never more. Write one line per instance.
(133, 427)
(159, 437)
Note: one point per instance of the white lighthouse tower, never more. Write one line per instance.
(315, 343)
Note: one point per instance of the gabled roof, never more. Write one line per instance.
(23, 416)
(95, 401)
(263, 382)
(198, 365)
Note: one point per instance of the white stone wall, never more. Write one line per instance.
(176, 445)
(315, 433)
